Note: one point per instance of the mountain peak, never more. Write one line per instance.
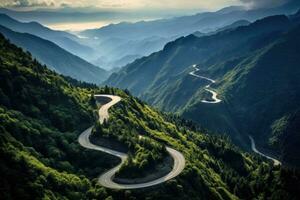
(7, 18)
(230, 9)
(274, 18)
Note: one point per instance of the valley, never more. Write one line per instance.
(238, 58)
(216, 100)
(201, 104)
(253, 147)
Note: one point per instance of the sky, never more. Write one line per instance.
(119, 4)
(114, 11)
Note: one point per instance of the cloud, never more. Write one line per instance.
(26, 3)
(264, 3)
(141, 4)
(127, 4)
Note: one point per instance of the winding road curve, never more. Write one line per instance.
(216, 100)
(214, 94)
(253, 147)
(106, 179)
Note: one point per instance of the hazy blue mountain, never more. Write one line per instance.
(55, 57)
(61, 38)
(180, 26)
(114, 50)
(115, 65)
(140, 35)
(296, 17)
(233, 25)
(227, 28)
(198, 34)
(253, 65)
(145, 37)
(180, 54)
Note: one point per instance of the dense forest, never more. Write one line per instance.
(253, 66)
(43, 113)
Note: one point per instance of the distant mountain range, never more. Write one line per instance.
(108, 46)
(55, 57)
(180, 26)
(61, 38)
(145, 37)
(232, 26)
(254, 66)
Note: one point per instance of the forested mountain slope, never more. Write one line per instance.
(260, 98)
(178, 56)
(264, 51)
(42, 114)
(55, 57)
(253, 89)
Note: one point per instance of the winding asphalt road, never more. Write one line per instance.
(253, 147)
(106, 179)
(216, 100)
(214, 94)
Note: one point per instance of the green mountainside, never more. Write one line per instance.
(254, 66)
(42, 114)
(262, 90)
(145, 75)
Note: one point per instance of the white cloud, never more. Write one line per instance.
(126, 4)
(26, 3)
(140, 4)
(263, 3)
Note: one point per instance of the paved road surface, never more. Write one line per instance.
(106, 178)
(216, 100)
(253, 147)
(214, 94)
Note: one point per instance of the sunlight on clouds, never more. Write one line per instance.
(117, 10)
(184, 4)
(26, 3)
(74, 27)
(122, 4)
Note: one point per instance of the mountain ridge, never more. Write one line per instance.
(226, 56)
(55, 57)
(205, 41)
(63, 39)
